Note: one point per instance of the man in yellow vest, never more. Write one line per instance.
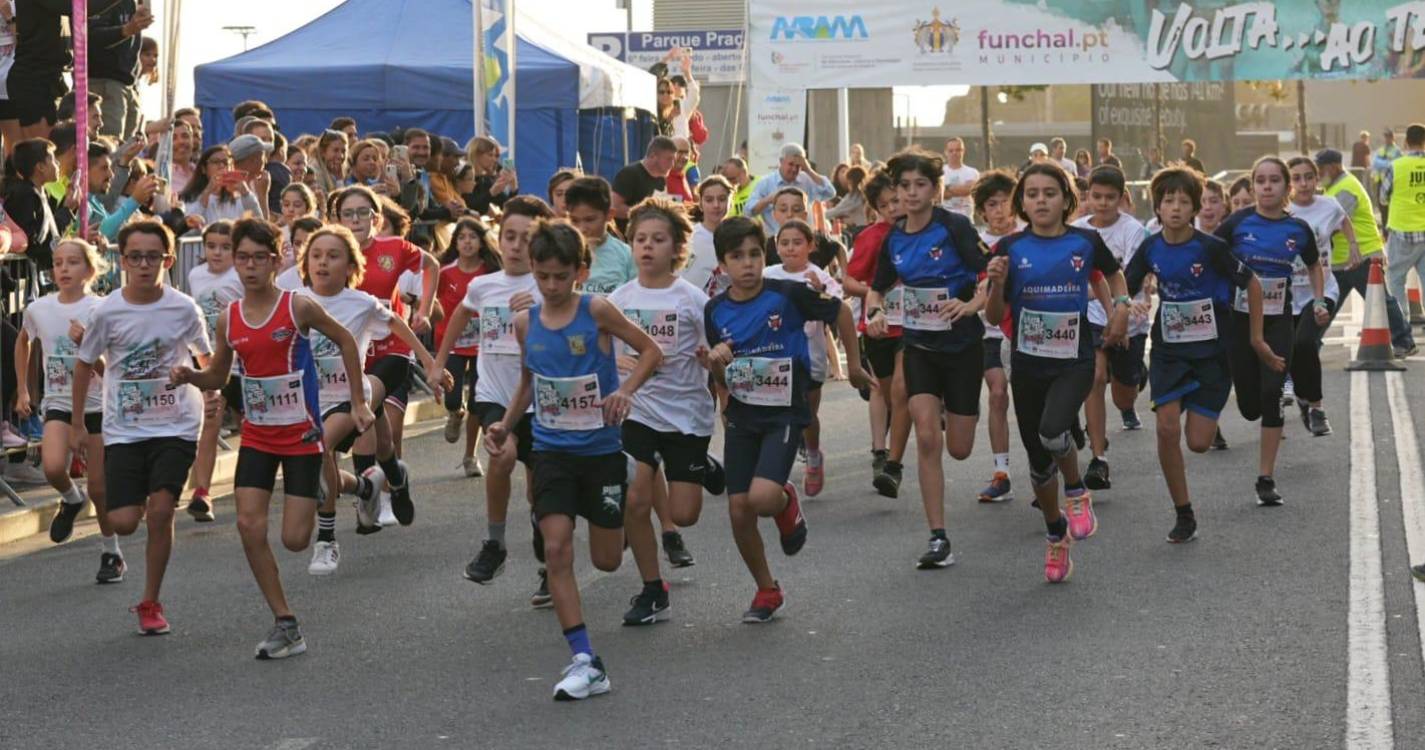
(1403, 189)
(1348, 263)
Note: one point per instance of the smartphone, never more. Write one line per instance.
(401, 152)
(392, 172)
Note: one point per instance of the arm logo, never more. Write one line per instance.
(935, 35)
(818, 28)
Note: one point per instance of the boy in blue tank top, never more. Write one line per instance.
(569, 371)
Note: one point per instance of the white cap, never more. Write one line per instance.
(1038, 147)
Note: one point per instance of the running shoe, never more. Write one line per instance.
(326, 556)
(814, 478)
(791, 524)
(471, 466)
(1402, 352)
(764, 605)
(584, 677)
(284, 640)
(888, 482)
(200, 508)
(151, 620)
(1288, 392)
(401, 505)
(997, 491)
(1185, 530)
(111, 568)
(1418, 571)
(1267, 494)
(1057, 565)
(368, 504)
(715, 477)
(677, 552)
(1096, 478)
(1219, 443)
(1079, 510)
(61, 527)
(937, 555)
(541, 599)
(1317, 423)
(1131, 422)
(879, 457)
(10, 439)
(648, 607)
(488, 564)
(453, 422)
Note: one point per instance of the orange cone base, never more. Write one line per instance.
(1375, 358)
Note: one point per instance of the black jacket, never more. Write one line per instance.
(113, 56)
(40, 44)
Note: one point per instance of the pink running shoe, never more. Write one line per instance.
(1079, 510)
(151, 619)
(814, 479)
(1057, 565)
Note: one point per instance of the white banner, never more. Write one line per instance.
(717, 55)
(775, 117)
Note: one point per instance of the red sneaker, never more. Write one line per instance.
(791, 524)
(76, 468)
(151, 620)
(764, 604)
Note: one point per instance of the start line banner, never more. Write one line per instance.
(850, 43)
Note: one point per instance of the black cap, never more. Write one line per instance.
(1328, 156)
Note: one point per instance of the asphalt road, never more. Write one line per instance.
(1237, 640)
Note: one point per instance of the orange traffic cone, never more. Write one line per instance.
(1412, 292)
(1374, 353)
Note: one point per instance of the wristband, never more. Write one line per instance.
(1122, 299)
(1319, 303)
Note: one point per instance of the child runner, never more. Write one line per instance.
(1188, 365)
(890, 410)
(1123, 366)
(759, 350)
(671, 421)
(267, 329)
(1214, 212)
(301, 229)
(935, 255)
(1042, 275)
(469, 256)
(991, 193)
(1271, 243)
(56, 323)
(214, 285)
(1326, 217)
(571, 378)
(714, 192)
(150, 425)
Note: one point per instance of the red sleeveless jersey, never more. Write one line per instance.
(279, 382)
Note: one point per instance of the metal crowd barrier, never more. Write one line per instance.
(27, 285)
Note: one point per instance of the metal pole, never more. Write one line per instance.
(843, 125)
(512, 44)
(985, 135)
(1301, 132)
(1158, 118)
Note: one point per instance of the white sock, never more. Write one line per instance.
(72, 496)
(814, 457)
(1002, 462)
(110, 544)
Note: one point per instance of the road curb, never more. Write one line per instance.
(43, 502)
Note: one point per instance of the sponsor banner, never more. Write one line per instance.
(717, 55)
(846, 43)
(776, 117)
(1204, 111)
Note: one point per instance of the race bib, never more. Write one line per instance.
(274, 401)
(470, 336)
(1187, 322)
(497, 331)
(922, 309)
(660, 325)
(1273, 297)
(59, 375)
(331, 374)
(1049, 334)
(149, 402)
(761, 381)
(893, 306)
(569, 403)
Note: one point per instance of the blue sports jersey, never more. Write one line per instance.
(768, 338)
(1270, 247)
(1048, 289)
(946, 254)
(1200, 272)
(572, 374)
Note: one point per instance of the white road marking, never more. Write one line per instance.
(1412, 486)
(1368, 710)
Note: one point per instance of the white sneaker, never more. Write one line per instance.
(24, 473)
(385, 516)
(583, 677)
(325, 558)
(367, 507)
(453, 422)
(472, 467)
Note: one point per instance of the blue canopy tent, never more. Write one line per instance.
(392, 63)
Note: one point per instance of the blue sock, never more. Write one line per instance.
(578, 638)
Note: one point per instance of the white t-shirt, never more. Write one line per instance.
(1123, 239)
(367, 319)
(140, 344)
(965, 175)
(816, 339)
(213, 292)
(1070, 167)
(676, 398)
(7, 49)
(498, 368)
(290, 280)
(1325, 216)
(702, 264)
(47, 322)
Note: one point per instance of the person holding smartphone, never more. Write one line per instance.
(217, 191)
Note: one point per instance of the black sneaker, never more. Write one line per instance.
(489, 564)
(937, 555)
(111, 568)
(1131, 422)
(61, 527)
(1402, 352)
(1185, 530)
(648, 607)
(401, 505)
(878, 460)
(677, 552)
(541, 599)
(715, 478)
(1096, 478)
(1317, 423)
(1267, 494)
(1219, 443)
(200, 509)
(888, 482)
